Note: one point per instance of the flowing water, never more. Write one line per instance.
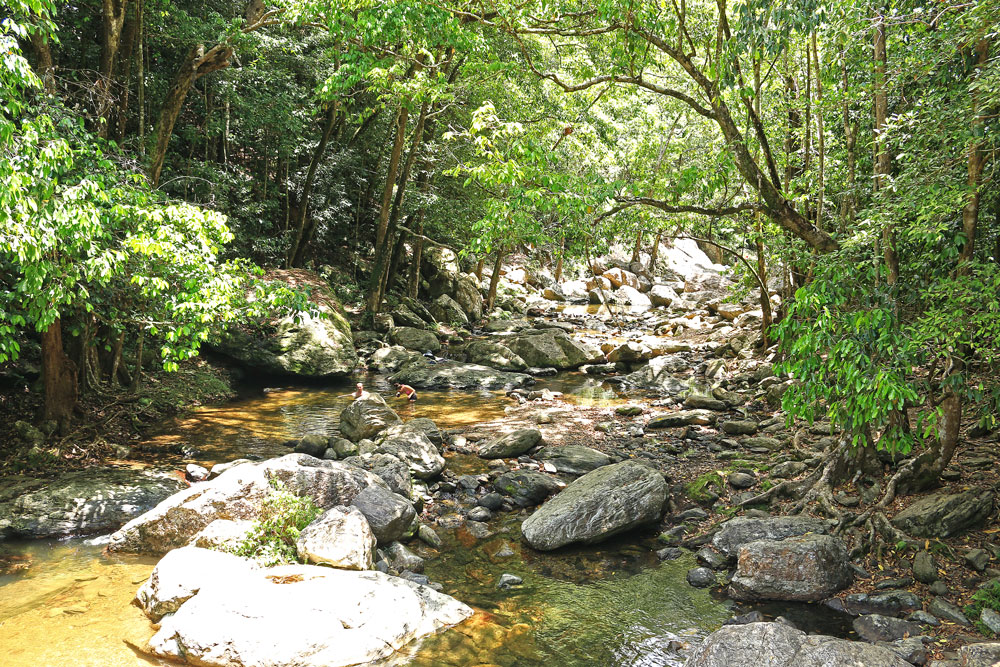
(65, 603)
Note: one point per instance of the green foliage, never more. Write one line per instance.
(987, 597)
(283, 515)
(698, 489)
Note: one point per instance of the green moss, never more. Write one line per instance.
(987, 597)
(697, 489)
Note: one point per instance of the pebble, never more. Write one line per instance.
(509, 580)
(480, 514)
(701, 577)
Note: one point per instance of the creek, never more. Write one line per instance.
(612, 604)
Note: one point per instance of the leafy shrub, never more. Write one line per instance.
(283, 515)
(987, 597)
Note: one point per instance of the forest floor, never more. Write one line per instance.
(107, 425)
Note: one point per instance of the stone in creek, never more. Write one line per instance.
(81, 502)
(411, 338)
(629, 410)
(878, 628)
(492, 501)
(401, 558)
(553, 348)
(412, 446)
(428, 536)
(947, 611)
(744, 427)
(669, 553)
(508, 581)
(778, 645)
(889, 603)
(389, 514)
(806, 568)
(682, 418)
(945, 514)
(196, 473)
(480, 514)
(478, 529)
(450, 374)
(701, 577)
(511, 444)
(603, 503)
(703, 402)
(742, 530)
(300, 615)
(710, 558)
(366, 417)
(339, 537)
(526, 487)
(312, 444)
(574, 459)
(238, 494)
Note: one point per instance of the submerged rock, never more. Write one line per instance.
(526, 487)
(81, 502)
(599, 505)
(299, 615)
(778, 645)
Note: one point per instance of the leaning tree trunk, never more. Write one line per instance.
(883, 161)
(298, 247)
(59, 377)
(494, 281)
(197, 64)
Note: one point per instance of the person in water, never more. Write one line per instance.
(359, 390)
(406, 390)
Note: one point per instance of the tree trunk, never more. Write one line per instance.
(883, 161)
(559, 261)
(637, 250)
(59, 377)
(654, 252)
(44, 63)
(847, 210)
(137, 376)
(820, 137)
(112, 19)
(977, 160)
(494, 281)
(197, 64)
(141, 73)
(298, 247)
(390, 177)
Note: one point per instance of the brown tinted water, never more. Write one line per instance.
(67, 604)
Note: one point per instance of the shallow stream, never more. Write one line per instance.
(613, 605)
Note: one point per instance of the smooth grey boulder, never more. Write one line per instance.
(945, 514)
(339, 537)
(366, 417)
(411, 338)
(598, 505)
(662, 295)
(427, 426)
(778, 645)
(447, 310)
(526, 487)
(573, 459)
(448, 374)
(495, 355)
(81, 502)
(511, 444)
(742, 530)
(739, 427)
(401, 558)
(238, 494)
(659, 375)
(807, 568)
(553, 348)
(389, 514)
(293, 615)
(411, 445)
(312, 444)
(391, 359)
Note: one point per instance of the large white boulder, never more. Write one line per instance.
(288, 616)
